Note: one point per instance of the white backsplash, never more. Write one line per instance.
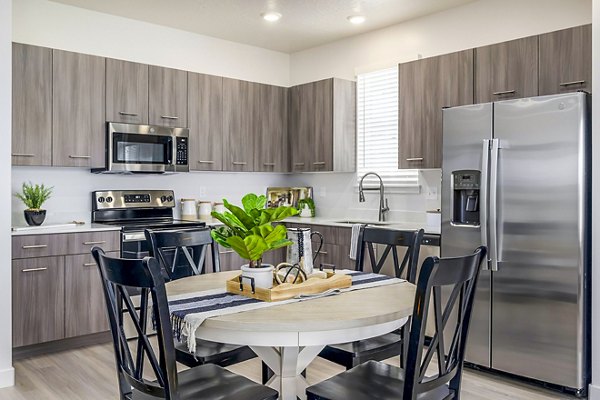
(336, 195)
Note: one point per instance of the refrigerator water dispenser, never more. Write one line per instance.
(465, 198)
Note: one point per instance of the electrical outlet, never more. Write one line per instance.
(432, 193)
(202, 191)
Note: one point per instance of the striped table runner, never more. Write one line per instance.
(190, 310)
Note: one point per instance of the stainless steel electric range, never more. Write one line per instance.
(135, 211)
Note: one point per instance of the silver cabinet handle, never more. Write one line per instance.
(226, 252)
(34, 246)
(96, 242)
(269, 164)
(415, 159)
(205, 162)
(563, 84)
(34, 269)
(76, 156)
(89, 264)
(321, 252)
(319, 163)
(504, 92)
(126, 114)
(168, 117)
(239, 162)
(22, 155)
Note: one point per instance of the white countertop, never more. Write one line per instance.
(50, 229)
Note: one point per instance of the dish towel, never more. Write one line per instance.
(354, 240)
(190, 310)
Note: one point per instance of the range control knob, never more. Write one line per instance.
(163, 198)
(101, 199)
(169, 198)
(109, 199)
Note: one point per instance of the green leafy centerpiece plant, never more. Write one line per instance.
(249, 231)
(34, 196)
(306, 207)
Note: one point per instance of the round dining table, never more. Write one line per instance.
(288, 337)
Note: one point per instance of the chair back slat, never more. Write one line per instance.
(182, 252)
(456, 276)
(409, 241)
(119, 275)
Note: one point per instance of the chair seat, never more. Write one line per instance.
(213, 382)
(213, 353)
(372, 380)
(351, 354)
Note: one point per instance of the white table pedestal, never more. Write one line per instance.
(288, 363)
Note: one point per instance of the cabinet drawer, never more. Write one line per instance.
(82, 243)
(62, 244)
(38, 300)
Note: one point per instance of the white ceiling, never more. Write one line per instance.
(305, 23)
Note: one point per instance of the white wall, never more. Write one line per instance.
(55, 25)
(7, 374)
(474, 24)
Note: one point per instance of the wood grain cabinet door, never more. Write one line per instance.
(205, 116)
(301, 126)
(126, 92)
(38, 300)
(31, 105)
(322, 140)
(240, 124)
(85, 306)
(167, 102)
(506, 70)
(411, 118)
(270, 142)
(566, 60)
(78, 124)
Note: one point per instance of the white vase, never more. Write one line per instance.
(263, 276)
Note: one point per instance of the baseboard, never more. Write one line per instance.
(7, 377)
(594, 392)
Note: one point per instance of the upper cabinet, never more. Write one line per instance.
(78, 124)
(241, 107)
(322, 126)
(566, 60)
(31, 105)
(126, 92)
(425, 87)
(270, 141)
(506, 70)
(167, 103)
(205, 121)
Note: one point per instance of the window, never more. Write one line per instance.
(377, 130)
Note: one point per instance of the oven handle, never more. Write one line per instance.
(133, 237)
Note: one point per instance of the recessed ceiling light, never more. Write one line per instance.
(356, 19)
(271, 16)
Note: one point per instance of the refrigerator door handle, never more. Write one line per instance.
(483, 194)
(493, 242)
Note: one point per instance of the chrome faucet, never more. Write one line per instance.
(361, 195)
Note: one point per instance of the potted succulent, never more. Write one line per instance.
(248, 230)
(34, 197)
(306, 207)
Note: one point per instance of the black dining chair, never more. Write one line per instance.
(382, 347)
(375, 380)
(142, 373)
(182, 253)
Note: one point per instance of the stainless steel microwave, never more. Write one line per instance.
(145, 148)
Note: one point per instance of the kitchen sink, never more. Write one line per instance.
(352, 222)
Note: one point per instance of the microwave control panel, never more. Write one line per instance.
(181, 157)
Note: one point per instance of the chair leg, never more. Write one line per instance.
(266, 373)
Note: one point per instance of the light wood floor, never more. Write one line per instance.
(89, 374)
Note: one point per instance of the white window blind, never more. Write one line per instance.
(377, 123)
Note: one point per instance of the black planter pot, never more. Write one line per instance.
(35, 218)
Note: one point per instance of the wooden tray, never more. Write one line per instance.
(288, 290)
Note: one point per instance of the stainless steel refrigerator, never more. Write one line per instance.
(516, 178)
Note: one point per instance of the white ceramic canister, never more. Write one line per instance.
(219, 207)
(204, 209)
(262, 277)
(188, 209)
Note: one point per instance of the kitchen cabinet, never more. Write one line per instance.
(230, 260)
(241, 107)
(426, 86)
(566, 60)
(270, 140)
(78, 110)
(322, 126)
(126, 92)
(31, 105)
(507, 70)
(205, 117)
(167, 103)
(56, 286)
